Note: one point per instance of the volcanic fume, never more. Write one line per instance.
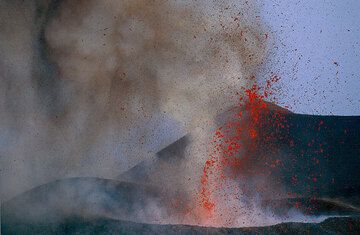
(108, 84)
(102, 78)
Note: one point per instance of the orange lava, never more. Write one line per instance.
(228, 157)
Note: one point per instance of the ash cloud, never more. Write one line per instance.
(91, 88)
(81, 77)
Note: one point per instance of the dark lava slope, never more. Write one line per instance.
(318, 158)
(80, 225)
(86, 206)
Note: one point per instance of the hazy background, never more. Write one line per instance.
(310, 37)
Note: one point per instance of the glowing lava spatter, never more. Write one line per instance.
(228, 157)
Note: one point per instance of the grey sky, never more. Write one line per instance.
(317, 55)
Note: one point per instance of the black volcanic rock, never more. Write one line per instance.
(315, 156)
(317, 159)
(84, 197)
(304, 155)
(319, 155)
(89, 205)
(81, 225)
(83, 205)
(170, 155)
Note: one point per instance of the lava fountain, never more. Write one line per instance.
(223, 181)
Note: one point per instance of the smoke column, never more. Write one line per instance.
(91, 88)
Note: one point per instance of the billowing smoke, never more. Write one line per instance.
(91, 88)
